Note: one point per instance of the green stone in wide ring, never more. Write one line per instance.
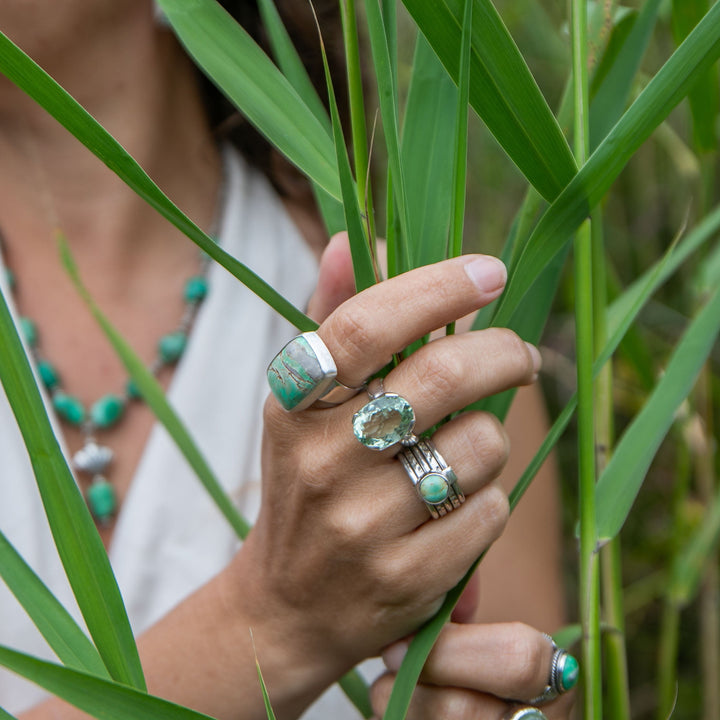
(384, 421)
(434, 488)
(301, 372)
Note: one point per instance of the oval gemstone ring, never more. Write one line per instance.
(388, 419)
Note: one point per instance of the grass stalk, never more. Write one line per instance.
(589, 561)
(616, 678)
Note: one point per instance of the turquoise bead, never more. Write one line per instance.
(10, 278)
(433, 488)
(171, 346)
(132, 390)
(29, 331)
(48, 374)
(196, 289)
(69, 408)
(101, 499)
(107, 410)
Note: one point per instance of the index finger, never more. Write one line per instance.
(364, 332)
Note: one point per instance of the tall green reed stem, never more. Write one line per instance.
(589, 566)
(617, 686)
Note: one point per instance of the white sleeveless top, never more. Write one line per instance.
(170, 538)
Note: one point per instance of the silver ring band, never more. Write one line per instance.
(525, 713)
(563, 675)
(434, 480)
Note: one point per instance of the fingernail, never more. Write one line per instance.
(536, 358)
(487, 273)
(394, 655)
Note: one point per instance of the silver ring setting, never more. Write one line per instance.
(304, 373)
(525, 713)
(563, 675)
(388, 419)
(433, 479)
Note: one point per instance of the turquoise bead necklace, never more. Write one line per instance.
(94, 459)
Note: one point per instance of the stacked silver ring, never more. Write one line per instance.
(434, 480)
(563, 675)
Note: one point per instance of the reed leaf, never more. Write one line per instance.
(671, 83)
(427, 153)
(56, 625)
(154, 396)
(78, 543)
(5, 715)
(363, 266)
(703, 97)
(689, 567)
(100, 698)
(503, 92)
(612, 94)
(620, 482)
(33, 80)
(237, 65)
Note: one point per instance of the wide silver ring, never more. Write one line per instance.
(388, 419)
(563, 675)
(304, 373)
(434, 480)
(525, 713)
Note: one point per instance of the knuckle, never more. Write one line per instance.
(526, 651)
(439, 376)
(349, 334)
(496, 509)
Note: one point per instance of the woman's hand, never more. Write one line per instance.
(477, 672)
(344, 557)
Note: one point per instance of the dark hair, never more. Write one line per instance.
(229, 124)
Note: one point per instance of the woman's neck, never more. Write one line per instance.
(136, 81)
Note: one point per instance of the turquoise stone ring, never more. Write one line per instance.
(434, 480)
(564, 674)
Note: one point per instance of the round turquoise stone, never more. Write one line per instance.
(171, 346)
(48, 374)
(433, 488)
(132, 390)
(570, 673)
(107, 410)
(101, 499)
(69, 408)
(384, 421)
(29, 331)
(196, 289)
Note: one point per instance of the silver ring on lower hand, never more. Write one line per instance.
(434, 480)
(563, 675)
(525, 713)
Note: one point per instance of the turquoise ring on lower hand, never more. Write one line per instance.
(304, 373)
(564, 672)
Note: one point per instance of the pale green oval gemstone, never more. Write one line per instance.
(384, 421)
(101, 500)
(107, 410)
(570, 673)
(434, 488)
(69, 408)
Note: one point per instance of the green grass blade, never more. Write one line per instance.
(79, 546)
(703, 97)
(620, 483)
(30, 78)
(56, 625)
(388, 100)
(355, 687)
(100, 698)
(292, 67)
(427, 153)
(502, 90)
(612, 94)
(565, 215)
(235, 63)
(154, 396)
(5, 715)
(689, 568)
(359, 243)
(461, 136)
